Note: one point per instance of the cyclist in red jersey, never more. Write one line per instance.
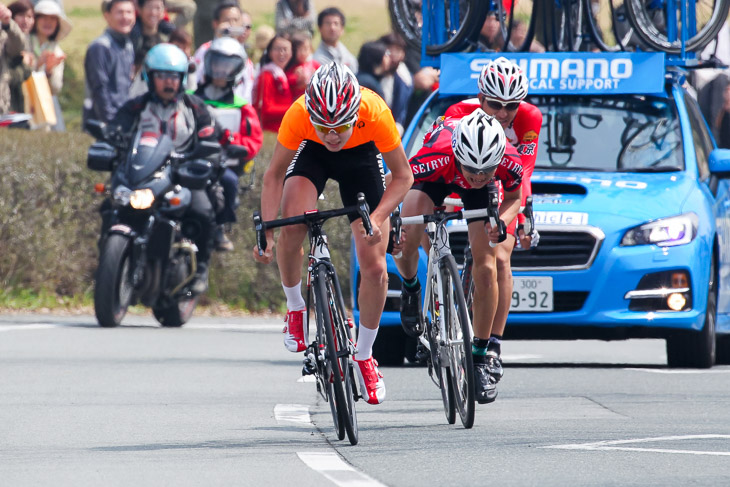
(339, 131)
(502, 89)
(466, 156)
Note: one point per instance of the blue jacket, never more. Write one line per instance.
(109, 68)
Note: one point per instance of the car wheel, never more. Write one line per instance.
(390, 346)
(697, 349)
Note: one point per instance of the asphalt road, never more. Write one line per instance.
(221, 402)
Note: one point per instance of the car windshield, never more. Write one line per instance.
(607, 134)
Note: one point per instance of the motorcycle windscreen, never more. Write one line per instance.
(149, 153)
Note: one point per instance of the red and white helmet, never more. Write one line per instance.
(333, 96)
(503, 80)
(478, 142)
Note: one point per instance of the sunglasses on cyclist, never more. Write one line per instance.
(338, 130)
(510, 106)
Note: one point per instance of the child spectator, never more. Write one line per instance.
(301, 67)
(22, 65)
(224, 62)
(228, 21)
(272, 95)
(150, 29)
(331, 24)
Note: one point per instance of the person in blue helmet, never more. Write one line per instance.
(166, 108)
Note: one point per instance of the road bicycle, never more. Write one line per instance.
(329, 357)
(448, 334)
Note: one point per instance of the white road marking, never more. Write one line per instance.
(680, 371)
(616, 445)
(233, 326)
(292, 413)
(332, 467)
(29, 326)
(517, 357)
(307, 378)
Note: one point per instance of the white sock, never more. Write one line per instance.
(365, 340)
(294, 299)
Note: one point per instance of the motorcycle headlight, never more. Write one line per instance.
(666, 232)
(121, 195)
(141, 199)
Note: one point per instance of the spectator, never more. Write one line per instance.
(262, 37)
(301, 67)
(272, 95)
(374, 61)
(294, 16)
(425, 82)
(331, 24)
(149, 30)
(51, 26)
(184, 11)
(490, 36)
(22, 65)
(714, 101)
(228, 21)
(397, 82)
(109, 62)
(12, 42)
(182, 39)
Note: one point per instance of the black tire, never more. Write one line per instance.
(463, 30)
(176, 315)
(608, 37)
(458, 326)
(330, 318)
(722, 350)
(650, 25)
(467, 284)
(404, 19)
(567, 25)
(440, 374)
(390, 347)
(697, 350)
(113, 290)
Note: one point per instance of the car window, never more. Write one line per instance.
(701, 138)
(627, 133)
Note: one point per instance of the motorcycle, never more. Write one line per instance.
(147, 249)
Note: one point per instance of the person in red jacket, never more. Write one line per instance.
(242, 136)
(272, 95)
(502, 90)
(301, 66)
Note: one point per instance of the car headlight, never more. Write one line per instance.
(121, 195)
(141, 199)
(666, 232)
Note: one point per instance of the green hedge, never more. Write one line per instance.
(49, 227)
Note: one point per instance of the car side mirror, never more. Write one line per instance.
(720, 163)
(96, 128)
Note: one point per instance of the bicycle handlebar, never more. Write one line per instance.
(309, 218)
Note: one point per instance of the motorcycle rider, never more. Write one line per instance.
(167, 109)
(224, 65)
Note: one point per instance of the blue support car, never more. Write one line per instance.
(631, 200)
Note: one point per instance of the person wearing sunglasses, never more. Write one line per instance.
(466, 156)
(502, 90)
(336, 130)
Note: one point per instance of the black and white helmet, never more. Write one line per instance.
(333, 96)
(478, 142)
(503, 80)
(225, 59)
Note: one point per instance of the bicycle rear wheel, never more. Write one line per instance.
(462, 22)
(651, 20)
(459, 338)
(331, 318)
(406, 19)
(608, 24)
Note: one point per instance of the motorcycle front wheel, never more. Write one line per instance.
(113, 289)
(176, 315)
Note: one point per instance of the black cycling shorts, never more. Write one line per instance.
(357, 170)
(473, 199)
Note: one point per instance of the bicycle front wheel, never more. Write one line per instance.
(459, 336)
(653, 21)
(332, 321)
(439, 367)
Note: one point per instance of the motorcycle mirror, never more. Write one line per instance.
(95, 128)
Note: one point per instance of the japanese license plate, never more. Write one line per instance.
(532, 294)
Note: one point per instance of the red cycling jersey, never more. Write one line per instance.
(523, 133)
(434, 162)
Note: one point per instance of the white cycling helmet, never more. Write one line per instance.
(332, 96)
(503, 80)
(478, 142)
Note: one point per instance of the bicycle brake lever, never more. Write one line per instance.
(529, 216)
(258, 224)
(364, 210)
